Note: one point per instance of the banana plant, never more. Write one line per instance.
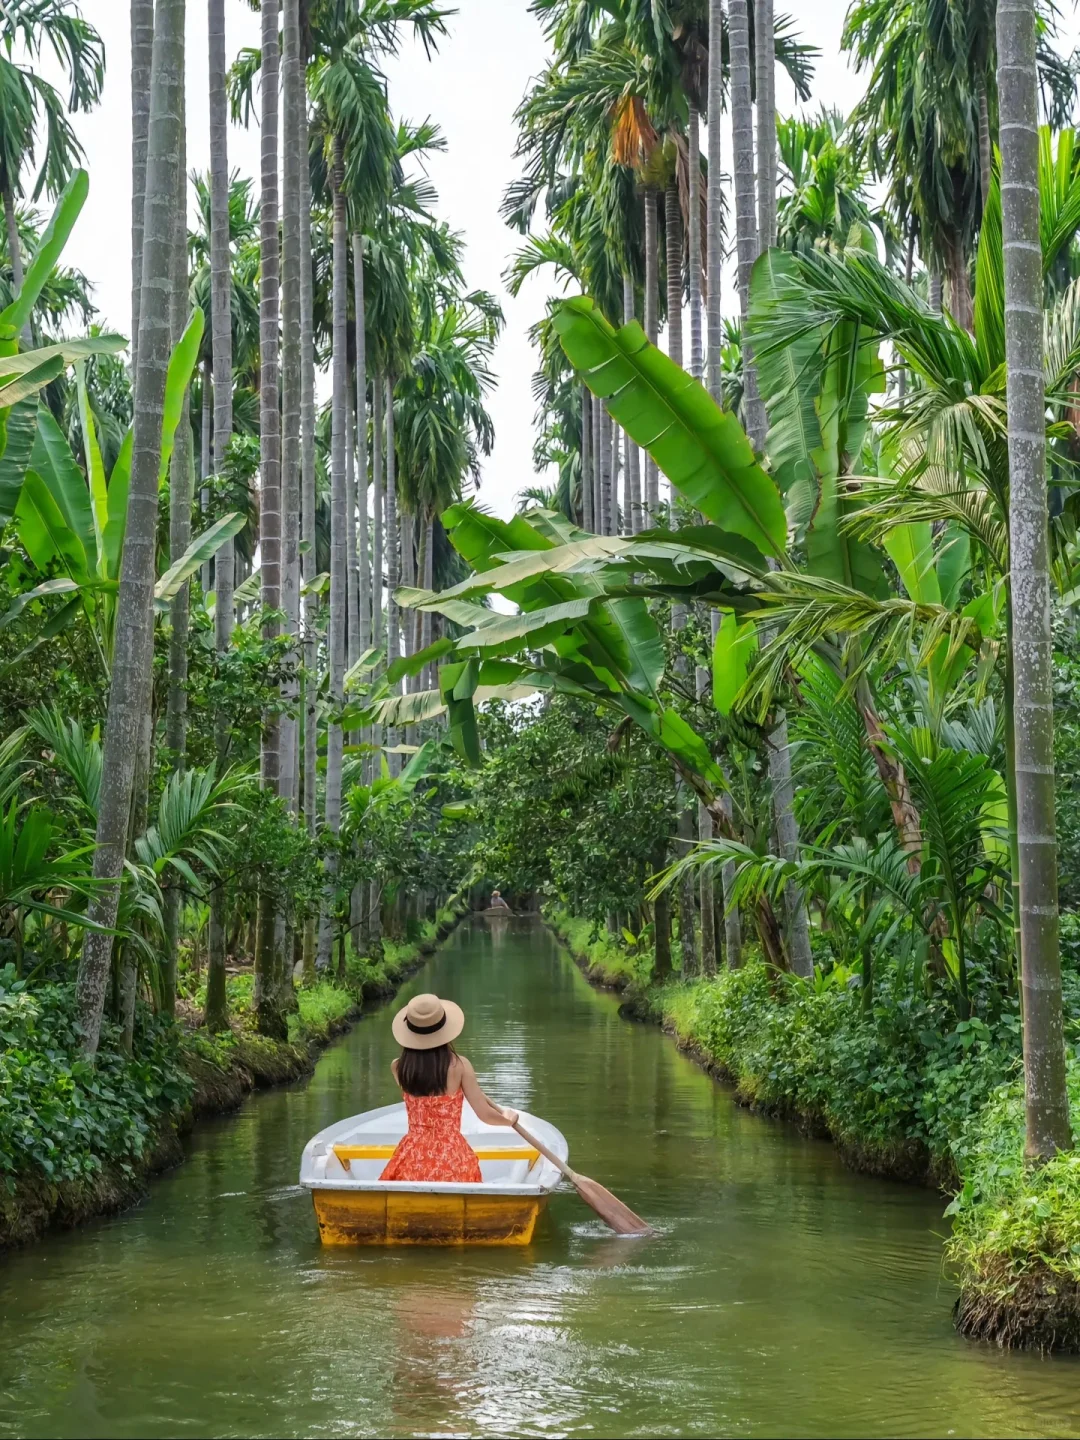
(23, 375)
(71, 520)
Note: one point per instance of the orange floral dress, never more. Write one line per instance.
(434, 1148)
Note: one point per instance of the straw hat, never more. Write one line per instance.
(428, 1021)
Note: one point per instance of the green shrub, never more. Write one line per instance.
(64, 1115)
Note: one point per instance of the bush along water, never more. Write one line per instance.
(905, 1090)
(79, 1138)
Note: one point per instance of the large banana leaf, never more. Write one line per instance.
(45, 532)
(18, 428)
(53, 461)
(50, 248)
(182, 362)
(733, 650)
(16, 388)
(204, 547)
(700, 448)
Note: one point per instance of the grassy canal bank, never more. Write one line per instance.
(81, 1139)
(905, 1092)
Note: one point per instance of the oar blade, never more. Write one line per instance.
(610, 1208)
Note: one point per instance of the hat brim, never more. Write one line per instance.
(448, 1031)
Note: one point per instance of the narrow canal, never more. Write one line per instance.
(782, 1295)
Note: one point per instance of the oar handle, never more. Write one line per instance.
(547, 1154)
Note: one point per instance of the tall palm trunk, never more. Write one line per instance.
(269, 1018)
(765, 56)
(364, 539)
(652, 331)
(588, 521)
(732, 918)
(216, 1014)
(693, 261)
(14, 248)
(180, 502)
(352, 559)
(605, 472)
(378, 504)
(714, 323)
(747, 238)
(674, 240)
(706, 900)
(129, 692)
(597, 450)
(206, 466)
(1046, 1097)
(425, 566)
(714, 326)
(986, 151)
(292, 101)
(393, 570)
(338, 547)
(142, 46)
(307, 512)
(633, 519)
(616, 458)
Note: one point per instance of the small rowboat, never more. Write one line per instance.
(342, 1164)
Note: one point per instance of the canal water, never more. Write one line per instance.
(782, 1295)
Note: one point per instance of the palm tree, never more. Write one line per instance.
(142, 45)
(267, 1010)
(293, 160)
(28, 100)
(1046, 1097)
(216, 1014)
(129, 695)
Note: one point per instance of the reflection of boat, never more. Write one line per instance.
(342, 1164)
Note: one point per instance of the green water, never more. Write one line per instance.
(782, 1295)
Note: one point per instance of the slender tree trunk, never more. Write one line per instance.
(14, 247)
(378, 504)
(588, 522)
(142, 46)
(427, 566)
(652, 332)
(293, 158)
(674, 241)
(1046, 1097)
(613, 512)
(393, 570)
(309, 560)
(714, 323)
(605, 471)
(206, 467)
(746, 227)
(986, 152)
(129, 693)
(693, 261)
(180, 502)
(338, 546)
(634, 518)
(216, 1014)
(934, 291)
(706, 901)
(598, 465)
(352, 559)
(732, 919)
(765, 58)
(364, 542)
(269, 1018)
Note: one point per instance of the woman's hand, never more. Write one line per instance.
(510, 1117)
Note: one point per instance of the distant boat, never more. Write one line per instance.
(341, 1167)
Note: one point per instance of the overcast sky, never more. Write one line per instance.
(471, 89)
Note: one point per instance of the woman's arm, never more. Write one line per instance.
(485, 1109)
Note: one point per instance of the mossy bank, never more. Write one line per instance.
(81, 1139)
(905, 1091)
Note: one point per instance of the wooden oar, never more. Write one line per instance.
(609, 1207)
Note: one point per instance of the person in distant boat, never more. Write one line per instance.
(435, 1081)
(498, 903)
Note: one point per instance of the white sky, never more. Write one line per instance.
(471, 89)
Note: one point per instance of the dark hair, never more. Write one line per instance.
(424, 1072)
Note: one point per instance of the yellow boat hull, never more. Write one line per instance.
(380, 1217)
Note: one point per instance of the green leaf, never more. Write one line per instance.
(50, 248)
(22, 387)
(673, 734)
(68, 352)
(56, 465)
(182, 362)
(44, 532)
(700, 448)
(789, 378)
(534, 628)
(20, 425)
(62, 585)
(733, 650)
(95, 468)
(911, 549)
(116, 508)
(201, 549)
(413, 664)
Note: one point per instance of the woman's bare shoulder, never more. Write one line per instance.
(393, 1067)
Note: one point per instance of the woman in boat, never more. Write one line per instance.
(435, 1081)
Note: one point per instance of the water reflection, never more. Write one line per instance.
(780, 1295)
